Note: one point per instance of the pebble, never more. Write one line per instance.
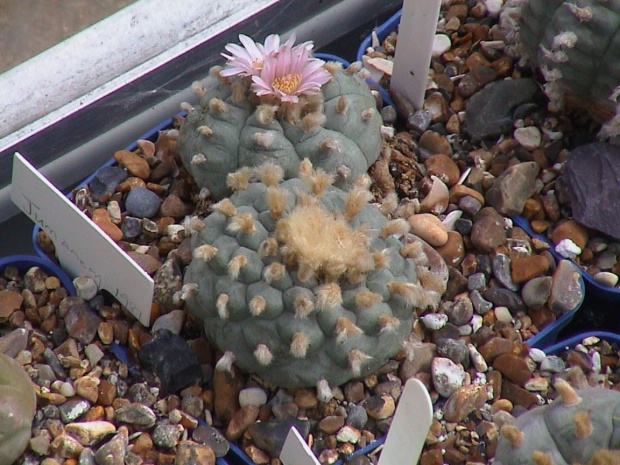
(85, 287)
(380, 407)
(72, 409)
(190, 453)
(441, 44)
(136, 414)
(90, 432)
(167, 436)
(434, 321)
(270, 435)
(211, 437)
(80, 321)
(447, 376)
(429, 228)
(172, 322)
(101, 218)
(529, 137)
(566, 289)
(133, 163)
(606, 278)
(252, 396)
(536, 292)
(106, 180)
(512, 188)
(463, 401)
(489, 111)
(348, 434)
(113, 452)
(142, 203)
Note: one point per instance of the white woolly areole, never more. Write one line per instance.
(611, 128)
(567, 248)
(323, 392)
(563, 40)
(225, 363)
(552, 88)
(263, 355)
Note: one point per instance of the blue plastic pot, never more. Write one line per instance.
(24, 262)
(602, 291)
(572, 341)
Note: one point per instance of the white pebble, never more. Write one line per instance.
(595, 356)
(476, 322)
(441, 44)
(348, 434)
(114, 210)
(85, 287)
(537, 355)
(529, 137)
(435, 321)
(568, 249)
(477, 359)
(172, 321)
(493, 7)
(252, 396)
(503, 314)
(176, 233)
(607, 278)
(447, 376)
(67, 389)
(93, 353)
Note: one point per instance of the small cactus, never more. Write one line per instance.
(576, 46)
(242, 123)
(580, 427)
(299, 281)
(18, 405)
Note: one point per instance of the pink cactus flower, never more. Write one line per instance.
(291, 73)
(247, 60)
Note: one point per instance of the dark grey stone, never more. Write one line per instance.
(106, 180)
(489, 112)
(142, 203)
(591, 177)
(270, 435)
(172, 360)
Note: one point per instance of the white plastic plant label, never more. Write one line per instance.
(82, 248)
(414, 48)
(295, 450)
(412, 419)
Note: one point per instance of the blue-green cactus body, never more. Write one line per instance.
(325, 291)
(565, 434)
(338, 131)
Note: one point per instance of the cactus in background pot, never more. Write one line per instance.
(276, 102)
(576, 46)
(579, 427)
(18, 405)
(299, 281)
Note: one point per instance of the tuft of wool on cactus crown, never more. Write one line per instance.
(301, 282)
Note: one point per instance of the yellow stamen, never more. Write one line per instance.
(287, 84)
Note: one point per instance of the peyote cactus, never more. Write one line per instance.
(18, 405)
(580, 427)
(283, 112)
(299, 281)
(576, 45)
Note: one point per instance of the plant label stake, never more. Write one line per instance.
(82, 248)
(295, 450)
(414, 47)
(412, 419)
